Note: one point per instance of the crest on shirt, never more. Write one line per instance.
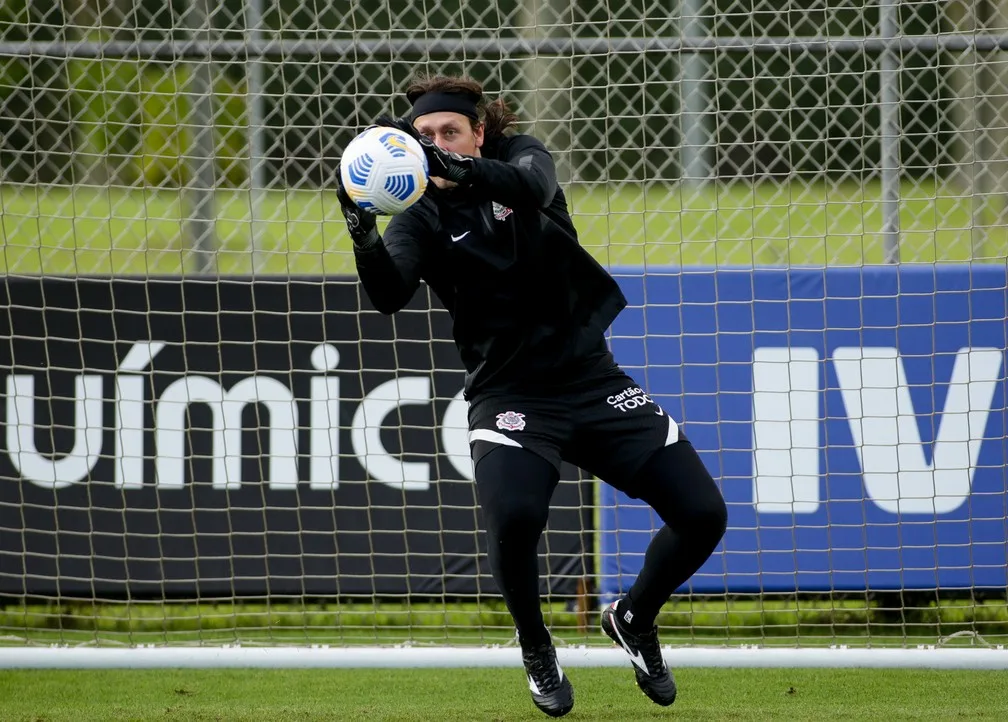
(511, 421)
(500, 212)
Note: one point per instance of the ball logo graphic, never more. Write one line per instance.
(394, 143)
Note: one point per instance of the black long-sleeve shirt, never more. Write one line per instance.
(529, 304)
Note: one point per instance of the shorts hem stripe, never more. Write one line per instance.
(493, 437)
(673, 432)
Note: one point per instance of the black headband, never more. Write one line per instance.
(435, 102)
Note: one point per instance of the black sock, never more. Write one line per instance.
(515, 566)
(625, 613)
(516, 570)
(665, 569)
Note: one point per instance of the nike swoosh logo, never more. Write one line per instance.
(533, 687)
(660, 411)
(636, 657)
(459, 237)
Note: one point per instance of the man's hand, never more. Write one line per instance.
(440, 163)
(403, 124)
(443, 164)
(362, 224)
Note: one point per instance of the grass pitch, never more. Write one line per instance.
(496, 694)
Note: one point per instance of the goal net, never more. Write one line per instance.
(213, 443)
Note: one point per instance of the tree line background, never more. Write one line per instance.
(611, 116)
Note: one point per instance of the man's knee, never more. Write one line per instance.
(677, 485)
(516, 518)
(515, 487)
(708, 513)
(715, 513)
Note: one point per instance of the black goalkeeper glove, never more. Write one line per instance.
(443, 164)
(362, 224)
(403, 124)
(440, 163)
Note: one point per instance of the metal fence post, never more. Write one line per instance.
(257, 146)
(696, 144)
(544, 79)
(199, 192)
(889, 120)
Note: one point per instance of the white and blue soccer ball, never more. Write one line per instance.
(384, 170)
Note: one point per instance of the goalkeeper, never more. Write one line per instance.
(494, 241)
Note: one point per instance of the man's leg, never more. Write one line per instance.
(675, 483)
(622, 436)
(514, 486)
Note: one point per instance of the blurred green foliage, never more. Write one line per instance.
(129, 121)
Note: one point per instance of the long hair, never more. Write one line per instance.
(495, 115)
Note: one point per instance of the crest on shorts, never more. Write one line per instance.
(500, 212)
(511, 421)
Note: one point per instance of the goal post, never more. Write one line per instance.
(291, 657)
(216, 453)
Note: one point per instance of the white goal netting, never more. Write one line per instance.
(211, 439)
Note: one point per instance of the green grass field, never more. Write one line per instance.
(495, 694)
(499, 694)
(63, 230)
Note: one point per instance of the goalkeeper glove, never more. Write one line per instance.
(362, 224)
(444, 164)
(440, 163)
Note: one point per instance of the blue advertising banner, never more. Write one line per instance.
(855, 419)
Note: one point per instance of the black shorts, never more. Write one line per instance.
(603, 423)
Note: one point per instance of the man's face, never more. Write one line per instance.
(452, 132)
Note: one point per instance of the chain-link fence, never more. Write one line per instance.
(146, 137)
(143, 138)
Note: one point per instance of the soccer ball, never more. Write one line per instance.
(384, 170)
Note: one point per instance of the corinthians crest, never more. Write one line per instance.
(511, 421)
(500, 212)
